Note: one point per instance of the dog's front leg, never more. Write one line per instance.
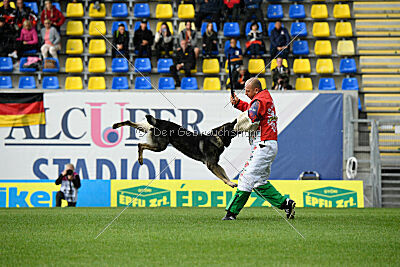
(123, 123)
(221, 174)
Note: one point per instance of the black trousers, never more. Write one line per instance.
(233, 12)
(160, 46)
(144, 49)
(249, 12)
(59, 197)
(200, 16)
(275, 51)
(186, 67)
(21, 48)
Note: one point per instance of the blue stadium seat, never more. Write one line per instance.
(298, 28)
(300, 48)
(359, 104)
(21, 66)
(350, 84)
(228, 44)
(231, 29)
(275, 12)
(248, 27)
(141, 10)
(189, 83)
(142, 65)
(5, 82)
(271, 26)
(348, 65)
(204, 27)
(297, 12)
(57, 69)
(30, 52)
(50, 82)
(115, 26)
(137, 26)
(119, 65)
(57, 5)
(27, 82)
(119, 10)
(143, 83)
(6, 64)
(120, 83)
(166, 83)
(33, 6)
(163, 65)
(326, 84)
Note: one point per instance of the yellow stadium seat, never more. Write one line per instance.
(343, 29)
(164, 11)
(97, 65)
(211, 66)
(212, 84)
(97, 46)
(186, 11)
(256, 66)
(74, 27)
(304, 84)
(94, 13)
(12, 4)
(182, 26)
(319, 11)
(263, 83)
(273, 63)
(324, 65)
(341, 11)
(345, 48)
(97, 83)
(97, 26)
(73, 83)
(321, 29)
(323, 48)
(169, 23)
(74, 47)
(75, 10)
(74, 64)
(302, 65)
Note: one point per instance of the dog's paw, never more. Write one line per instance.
(231, 184)
(140, 159)
(116, 126)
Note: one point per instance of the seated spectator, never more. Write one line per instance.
(210, 43)
(51, 40)
(253, 8)
(6, 10)
(210, 9)
(7, 39)
(231, 8)
(163, 40)
(143, 40)
(190, 36)
(184, 60)
(53, 14)
(28, 40)
(255, 45)
(121, 41)
(280, 76)
(280, 38)
(236, 56)
(22, 13)
(242, 77)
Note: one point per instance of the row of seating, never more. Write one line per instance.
(318, 11)
(323, 48)
(326, 84)
(6, 65)
(324, 66)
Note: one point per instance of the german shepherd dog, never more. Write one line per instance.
(206, 148)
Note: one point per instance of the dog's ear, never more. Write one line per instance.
(234, 122)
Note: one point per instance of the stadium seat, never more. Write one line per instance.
(57, 5)
(273, 63)
(27, 82)
(97, 65)
(56, 69)
(73, 83)
(345, 48)
(350, 84)
(324, 66)
(297, 12)
(73, 65)
(74, 27)
(120, 83)
(263, 83)
(119, 10)
(164, 64)
(189, 83)
(185, 11)
(166, 83)
(5, 82)
(6, 64)
(248, 25)
(326, 84)
(50, 82)
(143, 83)
(115, 25)
(97, 47)
(204, 27)
(94, 13)
(22, 68)
(300, 48)
(164, 11)
(298, 29)
(141, 10)
(228, 44)
(169, 24)
(137, 25)
(96, 28)
(341, 11)
(75, 10)
(211, 66)
(302, 66)
(211, 84)
(142, 65)
(321, 29)
(119, 65)
(256, 66)
(74, 47)
(304, 84)
(231, 29)
(343, 29)
(348, 65)
(97, 83)
(323, 48)
(275, 12)
(33, 6)
(319, 11)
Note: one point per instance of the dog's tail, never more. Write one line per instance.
(151, 120)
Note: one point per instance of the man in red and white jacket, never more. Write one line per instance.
(264, 147)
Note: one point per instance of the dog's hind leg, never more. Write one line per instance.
(154, 148)
(220, 173)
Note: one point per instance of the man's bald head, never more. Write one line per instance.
(252, 87)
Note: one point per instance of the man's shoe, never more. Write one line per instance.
(289, 208)
(229, 217)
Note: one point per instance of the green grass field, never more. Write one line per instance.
(197, 236)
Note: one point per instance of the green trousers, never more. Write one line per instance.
(266, 191)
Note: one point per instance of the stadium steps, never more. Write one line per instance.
(377, 27)
(380, 64)
(391, 186)
(389, 9)
(378, 45)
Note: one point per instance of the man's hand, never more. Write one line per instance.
(179, 66)
(145, 42)
(119, 46)
(234, 99)
(64, 172)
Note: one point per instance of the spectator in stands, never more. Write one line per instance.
(22, 13)
(210, 41)
(231, 8)
(70, 183)
(53, 14)
(184, 60)
(7, 39)
(6, 10)
(255, 45)
(143, 40)
(51, 40)
(280, 76)
(163, 40)
(210, 9)
(121, 41)
(190, 36)
(253, 8)
(280, 38)
(28, 40)
(242, 77)
(236, 56)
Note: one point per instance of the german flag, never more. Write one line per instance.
(21, 109)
